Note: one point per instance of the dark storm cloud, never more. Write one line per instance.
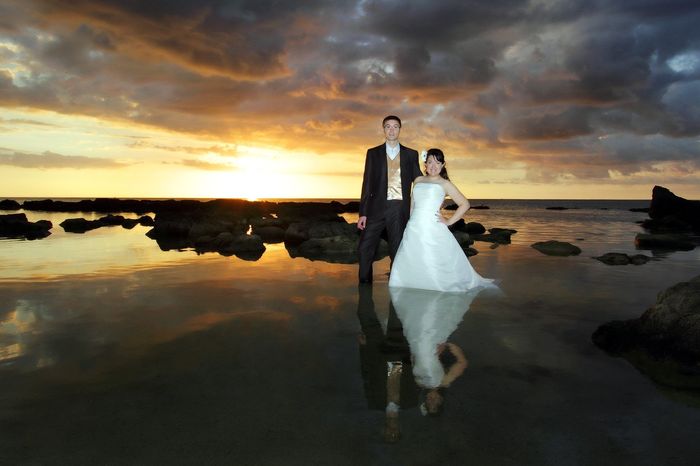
(526, 81)
(49, 159)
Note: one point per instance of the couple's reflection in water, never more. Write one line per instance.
(408, 362)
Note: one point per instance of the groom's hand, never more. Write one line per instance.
(362, 222)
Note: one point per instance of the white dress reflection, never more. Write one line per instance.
(428, 319)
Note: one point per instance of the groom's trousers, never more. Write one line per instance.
(394, 222)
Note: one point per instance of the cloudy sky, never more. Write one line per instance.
(263, 98)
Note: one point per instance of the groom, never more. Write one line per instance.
(386, 195)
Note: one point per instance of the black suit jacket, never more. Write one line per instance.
(374, 181)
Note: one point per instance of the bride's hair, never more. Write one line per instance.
(440, 157)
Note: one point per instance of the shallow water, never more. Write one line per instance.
(112, 351)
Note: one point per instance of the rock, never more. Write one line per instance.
(471, 227)
(299, 232)
(556, 248)
(307, 212)
(463, 239)
(9, 204)
(471, 251)
(664, 342)
(640, 209)
(349, 207)
(664, 204)
(111, 220)
(557, 208)
(668, 224)
(17, 226)
(146, 221)
(326, 229)
(248, 247)
(270, 234)
(618, 258)
(268, 222)
(664, 241)
(450, 206)
(296, 234)
(336, 249)
(480, 207)
(130, 223)
(495, 235)
(79, 225)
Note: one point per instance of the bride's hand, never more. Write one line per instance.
(441, 219)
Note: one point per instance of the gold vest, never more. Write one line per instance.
(393, 167)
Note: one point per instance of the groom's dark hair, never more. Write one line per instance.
(391, 117)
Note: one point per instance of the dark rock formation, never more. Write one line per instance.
(618, 258)
(664, 342)
(146, 221)
(248, 247)
(669, 224)
(463, 239)
(336, 249)
(129, 223)
(640, 209)
(480, 207)
(556, 248)
(17, 226)
(495, 235)
(350, 207)
(111, 220)
(205, 230)
(9, 204)
(299, 232)
(558, 208)
(473, 228)
(665, 204)
(79, 225)
(664, 241)
(340, 249)
(270, 234)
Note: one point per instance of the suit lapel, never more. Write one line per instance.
(383, 171)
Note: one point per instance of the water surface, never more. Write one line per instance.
(115, 352)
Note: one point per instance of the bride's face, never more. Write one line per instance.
(432, 166)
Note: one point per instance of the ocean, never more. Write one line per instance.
(113, 351)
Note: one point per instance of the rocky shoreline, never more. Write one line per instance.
(317, 230)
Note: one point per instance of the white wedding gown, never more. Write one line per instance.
(428, 319)
(429, 256)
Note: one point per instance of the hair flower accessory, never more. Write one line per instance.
(424, 155)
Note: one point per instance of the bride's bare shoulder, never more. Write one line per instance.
(419, 179)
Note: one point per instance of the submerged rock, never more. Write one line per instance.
(664, 342)
(17, 226)
(557, 248)
(618, 258)
(495, 235)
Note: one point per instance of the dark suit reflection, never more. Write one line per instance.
(378, 348)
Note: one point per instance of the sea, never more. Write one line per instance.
(113, 351)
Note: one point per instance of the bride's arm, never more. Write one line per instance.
(459, 199)
(412, 201)
(457, 368)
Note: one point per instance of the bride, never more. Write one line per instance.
(429, 256)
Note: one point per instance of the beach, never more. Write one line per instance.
(114, 351)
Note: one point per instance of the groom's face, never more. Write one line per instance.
(392, 128)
